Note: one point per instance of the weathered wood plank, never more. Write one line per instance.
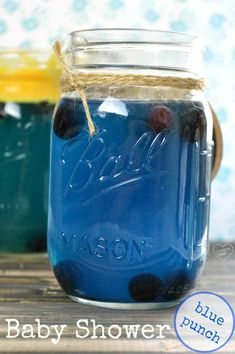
(28, 290)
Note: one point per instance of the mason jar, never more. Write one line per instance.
(28, 92)
(130, 169)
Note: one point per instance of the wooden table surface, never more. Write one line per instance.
(28, 290)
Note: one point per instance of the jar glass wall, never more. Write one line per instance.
(129, 206)
(28, 91)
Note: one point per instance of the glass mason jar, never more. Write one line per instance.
(28, 92)
(129, 204)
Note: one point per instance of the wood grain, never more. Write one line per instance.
(28, 290)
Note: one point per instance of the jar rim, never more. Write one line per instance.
(14, 54)
(133, 49)
(96, 36)
(14, 60)
(17, 50)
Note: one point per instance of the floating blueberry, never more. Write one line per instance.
(43, 107)
(144, 287)
(176, 285)
(193, 124)
(69, 119)
(160, 117)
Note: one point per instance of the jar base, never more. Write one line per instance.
(125, 306)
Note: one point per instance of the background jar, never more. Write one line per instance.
(131, 202)
(28, 91)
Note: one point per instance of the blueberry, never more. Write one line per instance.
(68, 120)
(193, 124)
(66, 273)
(160, 117)
(43, 107)
(144, 287)
(176, 285)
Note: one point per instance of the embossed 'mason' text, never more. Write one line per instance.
(102, 248)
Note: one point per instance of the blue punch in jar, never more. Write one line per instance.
(129, 202)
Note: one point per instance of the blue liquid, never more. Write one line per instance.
(24, 170)
(128, 209)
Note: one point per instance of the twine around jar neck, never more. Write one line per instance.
(79, 81)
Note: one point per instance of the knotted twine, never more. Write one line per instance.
(79, 81)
